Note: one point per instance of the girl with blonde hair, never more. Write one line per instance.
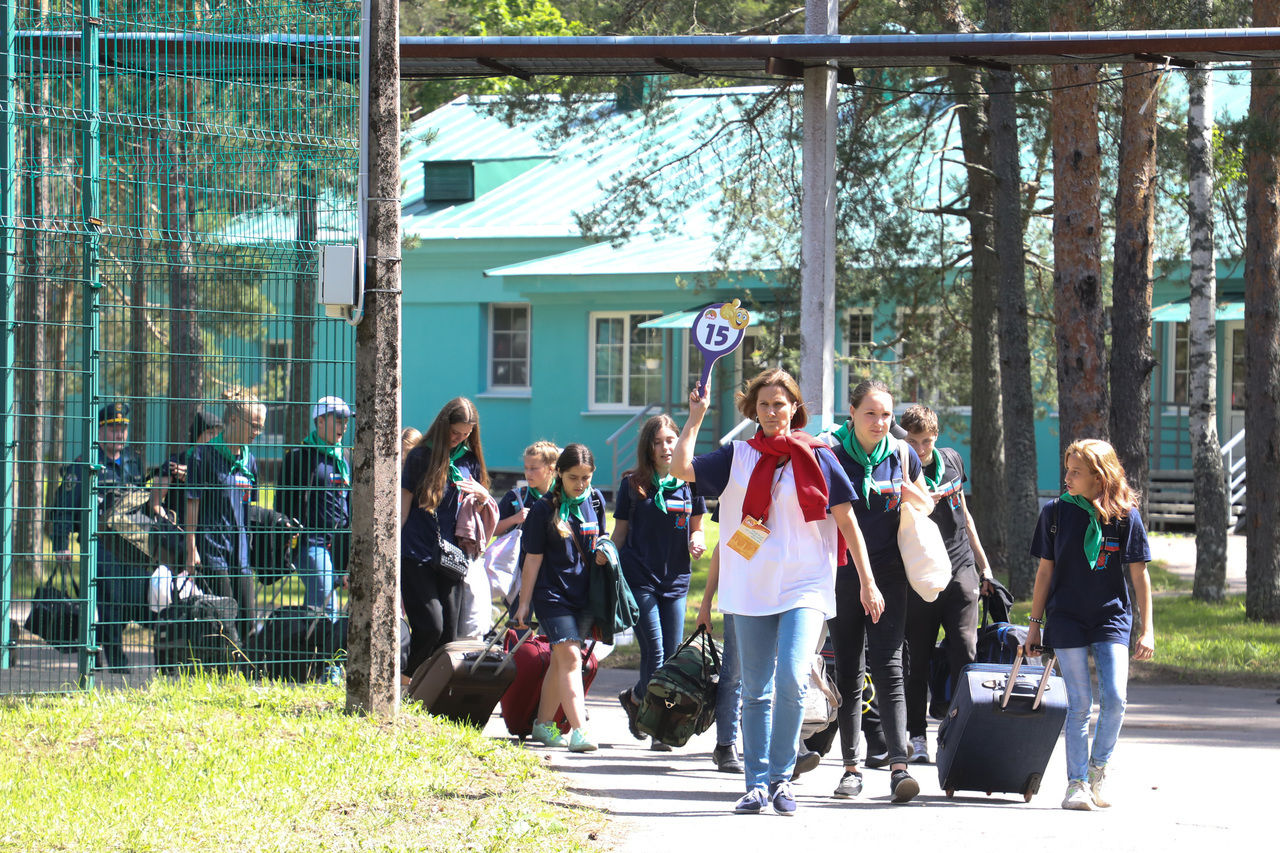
(1085, 540)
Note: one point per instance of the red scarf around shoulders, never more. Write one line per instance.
(811, 486)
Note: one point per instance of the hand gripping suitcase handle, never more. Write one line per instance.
(1013, 677)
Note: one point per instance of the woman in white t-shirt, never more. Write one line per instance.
(784, 508)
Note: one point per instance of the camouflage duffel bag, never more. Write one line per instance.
(680, 699)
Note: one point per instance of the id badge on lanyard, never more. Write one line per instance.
(750, 535)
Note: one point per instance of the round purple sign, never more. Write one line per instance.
(718, 330)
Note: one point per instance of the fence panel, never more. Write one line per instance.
(169, 171)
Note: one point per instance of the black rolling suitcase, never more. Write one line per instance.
(1001, 728)
(465, 680)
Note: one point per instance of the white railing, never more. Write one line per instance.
(736, 431)
(1233, 467)
(628, 430)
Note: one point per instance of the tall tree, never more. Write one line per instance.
(1017, 400)
(1212, 501)
(1262, 332)
(304, 308)
(986, 438)
(186, 347)
(1083, 401)
(1131, 360)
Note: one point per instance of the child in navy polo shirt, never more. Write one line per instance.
(1086, 541)
(658, 527)
(560, 535)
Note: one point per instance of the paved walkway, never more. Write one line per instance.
(1195, 770)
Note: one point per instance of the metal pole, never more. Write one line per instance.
(8, 272)
(90, 226)
(818, 224)
(373, 663)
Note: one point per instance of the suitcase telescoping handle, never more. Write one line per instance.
(1013, 677)
(493, 641)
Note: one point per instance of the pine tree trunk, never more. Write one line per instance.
(1262, 333)
(1131, 359)
(304, 310)
(986, 449)
(186, 374)
(1083, 402)
(33, 302)
(1212, 502)
(1018, 403)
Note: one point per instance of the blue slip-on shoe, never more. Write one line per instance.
(752, 802)
(784, 802)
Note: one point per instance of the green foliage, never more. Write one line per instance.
(223, 763)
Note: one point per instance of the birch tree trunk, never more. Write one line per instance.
(1262, 333)
(1083, 402)
(1212, 503)
(1131, 359)
(1018, 404)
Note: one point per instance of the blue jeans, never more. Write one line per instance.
(775, 653)
(658, 632)
(1112, 663)
(317, 580)
(729, 693)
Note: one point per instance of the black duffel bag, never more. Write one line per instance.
(198, 631)
(55, 613)
(273, 543)
(297, 643)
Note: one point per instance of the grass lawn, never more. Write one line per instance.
(1195, 642)
(227, 764)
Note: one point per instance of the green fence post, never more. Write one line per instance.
(91, 223)
(8, 283)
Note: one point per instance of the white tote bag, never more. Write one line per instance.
(500, 565)
(924, 553)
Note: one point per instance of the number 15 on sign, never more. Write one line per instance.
(717, 331)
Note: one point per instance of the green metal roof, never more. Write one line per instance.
(647, 254)
(1180, 312)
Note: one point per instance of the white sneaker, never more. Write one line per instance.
(1097, 785)
(1078, 797)
(919, 749)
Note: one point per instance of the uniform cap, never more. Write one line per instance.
(113, 413)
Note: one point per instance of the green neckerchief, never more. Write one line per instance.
(530, 490)
(236, 459)
(662, 485)
(455, 475)
(1092, 536)
(936, 480)
(882, 451)
(331, 450)
(572, 506)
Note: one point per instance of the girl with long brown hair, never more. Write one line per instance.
(447, 463)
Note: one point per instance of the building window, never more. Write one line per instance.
(763, 347)
(626, 361)
(933, 366)
(1179, 364)
(1239, 382)
(448, 181)
(508, 346)
(277, 360)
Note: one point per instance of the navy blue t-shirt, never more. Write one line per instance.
(879, 512)
(1088, 604)
(225, 492)
(315, 491)
(712, 470)
(563, 578)
(418, 539)
(655, 557)
(948, 513)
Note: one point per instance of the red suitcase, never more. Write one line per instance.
(532, 658)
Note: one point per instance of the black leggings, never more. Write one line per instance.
(853, 634)
(955, 611)
(431, 605)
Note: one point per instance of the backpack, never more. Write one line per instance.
(680, 699)
(297, 643)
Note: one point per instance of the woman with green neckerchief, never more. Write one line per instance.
(448, 462)
(315, 490)
(222, 480)
(871, 457)
(1087, 541)
(658, 529)
(559, 537)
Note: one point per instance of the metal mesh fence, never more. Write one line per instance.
(168, 171)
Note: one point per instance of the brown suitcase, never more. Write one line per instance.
(463, 681)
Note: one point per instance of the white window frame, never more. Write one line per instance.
(847, 370)
(511, 390)
(899, 372)
(625, 316)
